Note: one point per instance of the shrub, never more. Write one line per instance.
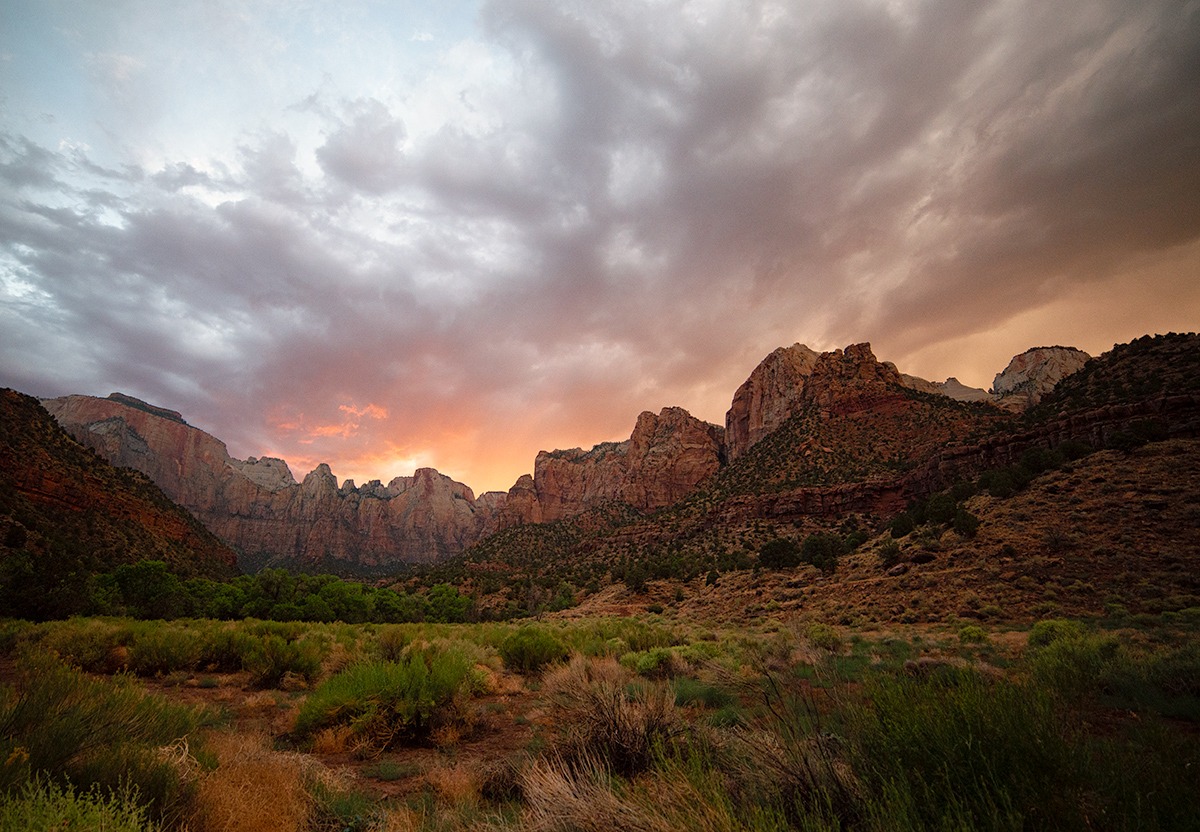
(161, 649)
(44, 806)
(940, 508)
(388, 702)
(824, 637)
(530, 649)
(972, 634)
(965, 523)
(902, 525)
(889, 553)
(657, 662)
(599, 716)
(1052, 630)
(822, 550)
(61, 724)
(271, 657)
(780, 553)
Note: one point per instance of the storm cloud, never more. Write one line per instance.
(405, 242)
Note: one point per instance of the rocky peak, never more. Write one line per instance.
(958, 391)
(268, 472)
(1034, 373)
(665, 458)
(766, 398)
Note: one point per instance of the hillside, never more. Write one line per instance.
(1114, 533)
(66, 514)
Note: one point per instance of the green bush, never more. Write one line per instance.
(270, 657)
(824, 637)
(657, 662)
(530, 649)
(902, 525)
(44, 806)
(972, 634)
(1053, 629)
(385, 703)
(940, 508)
(889, 553)
(965, 523)
(822, 550)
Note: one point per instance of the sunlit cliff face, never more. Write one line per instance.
(451, 235)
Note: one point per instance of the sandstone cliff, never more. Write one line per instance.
(257, 506)
(1034, 373)
(662, 462)
(766, 398)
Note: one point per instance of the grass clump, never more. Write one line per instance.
(386, 703)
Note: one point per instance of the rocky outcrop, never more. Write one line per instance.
(767, 398)
(1034, 373)
(662, 462)
(257, 506)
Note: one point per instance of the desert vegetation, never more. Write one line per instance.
(639, 723)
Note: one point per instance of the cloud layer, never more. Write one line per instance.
(403, 242)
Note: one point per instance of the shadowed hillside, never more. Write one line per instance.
(66, 514)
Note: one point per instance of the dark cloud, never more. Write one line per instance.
(644, 202)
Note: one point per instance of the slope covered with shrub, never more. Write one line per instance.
(66, 515)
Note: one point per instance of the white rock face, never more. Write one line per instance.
(269, 473)
(1034, 373)
(958, 391)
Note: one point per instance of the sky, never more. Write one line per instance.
(391, 235)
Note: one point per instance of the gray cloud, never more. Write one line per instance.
(647, 201)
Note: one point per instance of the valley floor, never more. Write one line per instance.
(613, 723)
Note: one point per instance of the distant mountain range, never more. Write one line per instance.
(809, 438)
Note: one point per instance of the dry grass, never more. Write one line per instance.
(254, 789)
(564, 797)
(336, 739)
(457, 785)
(598, 717)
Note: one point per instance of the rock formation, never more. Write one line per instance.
(766, 398)
(1034, 373)
(663, 460)
(960, 392)
(257, 506)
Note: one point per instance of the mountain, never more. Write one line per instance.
(858, 446)
(809, 437)
(315, 525)
(258, 507)
(66, 514)
(663, 461)
(1035, 373)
